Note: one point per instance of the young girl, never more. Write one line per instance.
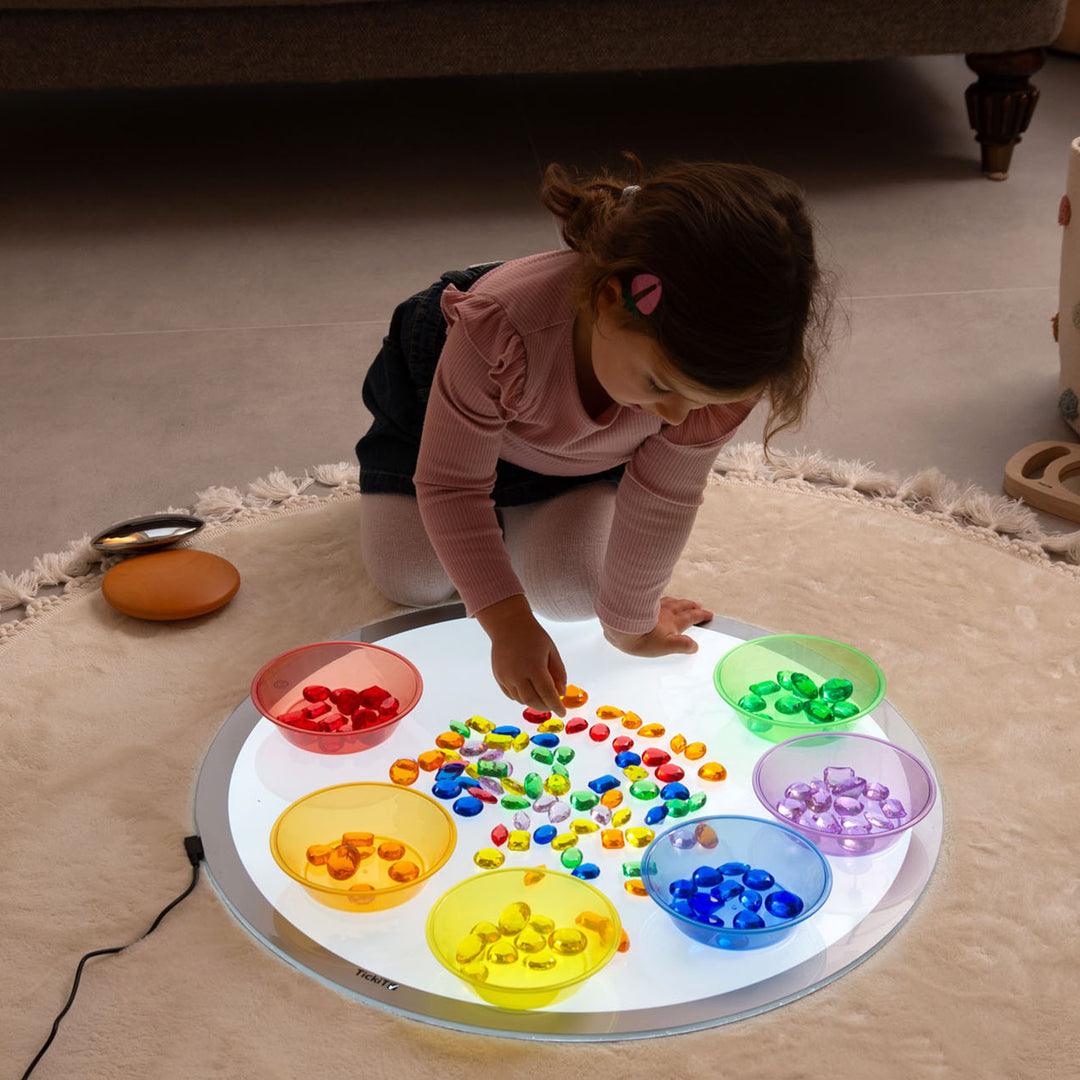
(544, 428)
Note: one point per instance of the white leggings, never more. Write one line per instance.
(556, 548)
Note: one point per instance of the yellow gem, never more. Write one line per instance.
(470, 770)
(712, 770)
(470, 948)
(631, 720)
(583, 826)
(621, 817)
(608, 712)
(541, 961)
(487, 930)
(512, 786)
(514, 917)
(696, 750)
(568, 940)
(612, 839)
(451, 755)
(489, 858)
(640, 836)
(678, 744)
(477, 971)
(521, 741)
(611, 798)
(553, 725)
(502, 952)
(563, 841)
(635, 772)
(652, 731)
(478, 723)
(556, 784)
(542, 924)
(497, 742)
(519, 840)
(530, 940)
(635, 887)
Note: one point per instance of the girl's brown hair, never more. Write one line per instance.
(743, 301)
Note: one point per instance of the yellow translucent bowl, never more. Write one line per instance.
(531, 980)
(417, 823)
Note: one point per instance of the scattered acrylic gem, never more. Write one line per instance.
(695, 750)
(564, 755)
(678, 743)
(712, 771)
(599, 732)
(574, 697)
(514, 802)
(572, 858)
(576, 724)
(627, 757)
(584, 800)
(635, 772)
(546, 739)
(535, 716)
(604, 783)
(499, 835)
(612, 798)
(430, 760)
(631, 721)
(655, 814)
(564, 841)
(669, 771)
(608, 712)
(404, 772)
(654, 756)
(468, 806)
(644, 789)
(640, 837)
(545, 834)
(652, 731)
(601, 814)
(621, 743)
(621, 817)
(521, 820)
(519, 840)
(674, 790)
(558, 811)
(587, 871)
(612, 839)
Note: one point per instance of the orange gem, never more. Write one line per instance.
(404, 871)
(635, 887)
(533, 877)
(608, 712)
(706, 836)
(624, 942)
(430, 760)
(356, 894)
(611, 798)
(712, 770)
(404, 771)
(611, 839)
(317, 854)
(652, 731)
(449, 740)
(696, 750)
(391, 850)
(358, 839)
(342, 862)
(631, 720)
(678, 744)
(574, 697)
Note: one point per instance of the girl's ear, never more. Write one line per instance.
(610, 296)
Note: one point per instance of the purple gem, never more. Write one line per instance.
(893, 808)
(826, 823)
(846, 806)
(790, 809)
(601, 814)
(559, 811)
(683, 840)
(472, 749)
(521, 820)
(544, 803)
(492, 784)
(875, 819)
(854, 827)
(491, 755)
(876, 792)
(819, 801)
(835, 775)
(853, 787)
(797, 791)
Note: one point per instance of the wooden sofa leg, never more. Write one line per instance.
(1000, 104)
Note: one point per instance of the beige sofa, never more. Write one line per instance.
(68, 44)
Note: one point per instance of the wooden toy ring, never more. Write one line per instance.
(1037, 473)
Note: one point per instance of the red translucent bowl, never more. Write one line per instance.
(337, 697)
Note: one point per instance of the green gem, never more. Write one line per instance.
(564, 755)
(803, 684)
(836, 689)
(542, 754)
(644, 789)
(697, 801)
(789, 705)
(571, 858)
(559, 770)
(763, 689)
(583, 800)
(677, 808)
(534, 785)
(460, 728)
(819, 712)
(784, 679)
(515, 802)
(492, 768)
(751, 703)
(844, 710)
(631, 869)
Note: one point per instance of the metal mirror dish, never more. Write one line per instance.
(146, 533)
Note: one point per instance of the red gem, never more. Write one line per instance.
(575, 724)
(483, 794)
(364, 718)
(305, 725)
(348, 701)
(654, 755)
(389, 706)
(335, 723)
(316, 693)
(599, 732)
(372, 695)
(499, 835)
(535, 716)
(621, 743)
(313, 712)
(292, 718)
(668, 772)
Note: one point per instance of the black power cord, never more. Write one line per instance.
(193, 847)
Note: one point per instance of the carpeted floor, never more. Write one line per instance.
(974, 619)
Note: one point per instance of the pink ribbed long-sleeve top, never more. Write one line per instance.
(506, 386)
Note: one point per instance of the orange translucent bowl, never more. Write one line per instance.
(388, 827)
(278, 692)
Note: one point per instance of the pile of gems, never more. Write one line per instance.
(712, 891)
(342, 710)
(343, 857)
(839, 802)
(473, 767)
(819, 705)
(522, 935)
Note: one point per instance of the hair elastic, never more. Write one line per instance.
(642, 295)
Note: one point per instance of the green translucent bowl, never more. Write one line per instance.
(762, 659)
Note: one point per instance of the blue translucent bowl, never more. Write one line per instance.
(711, 842)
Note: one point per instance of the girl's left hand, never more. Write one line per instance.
(669, 635)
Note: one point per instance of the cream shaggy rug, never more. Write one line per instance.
(971, 611)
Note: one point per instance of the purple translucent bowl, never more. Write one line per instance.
(868, 820)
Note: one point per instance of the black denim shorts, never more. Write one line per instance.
(396, 392)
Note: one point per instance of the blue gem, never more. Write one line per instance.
(586, 870)
(446, 789)
(682, 907)
(450, 768)
(750, 899)
(545, 834)
(674, 790)
(759, 879)
(727, 891)
(747, 920)
(604, 783)
(506, 729)
(655, 815)
(703, 906)
(733, 868)
(545, 738)
(783, 904)
(468, 806)
(705, 877)
(448, 774)
(627, 758)
(682, 887)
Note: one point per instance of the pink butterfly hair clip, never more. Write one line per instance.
(642, 295)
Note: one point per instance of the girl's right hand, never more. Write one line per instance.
(524, 660)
